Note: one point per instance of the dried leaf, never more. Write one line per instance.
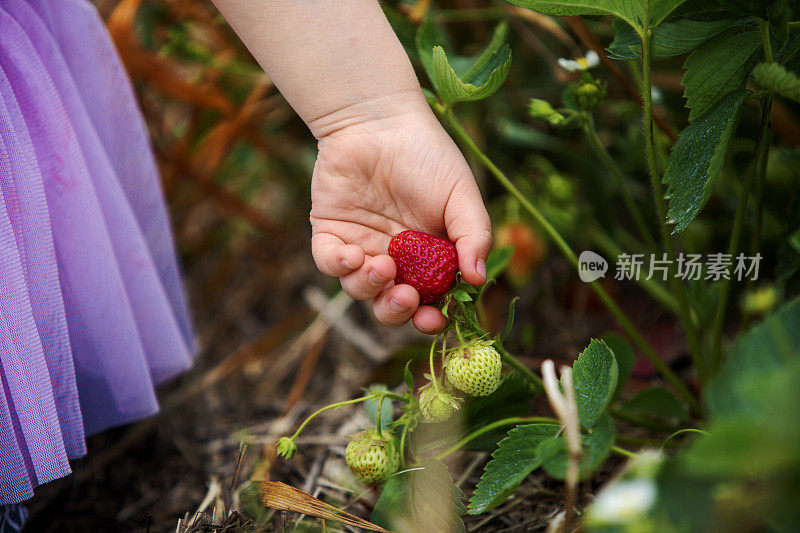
(284, 497)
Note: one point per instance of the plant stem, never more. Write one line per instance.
(755, 242)
(623, 451)
(761, 150)
(393, 396)
(684, 313)
(608, 246)
(433, 370)
(458, 334)
(378, 421)
(494, 425)
(403, 446)
(681, 432)
(514, 363)
(764, 25)
(508, 422)
(326, 408)
(594, 140)
(761, 176)
(636, 337)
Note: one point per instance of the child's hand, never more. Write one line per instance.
(376, 177)
(385, 164)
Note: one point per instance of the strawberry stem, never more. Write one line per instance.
(458, 334)
(403, 446)
(326, 408)
(378, 416)
(489, 427)
(434, 380)
(521, 369)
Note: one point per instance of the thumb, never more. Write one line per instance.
(469, 227)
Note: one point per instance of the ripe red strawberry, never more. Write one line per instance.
(529, 250)
(425, 262)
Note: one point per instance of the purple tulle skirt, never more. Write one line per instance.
(92, 311)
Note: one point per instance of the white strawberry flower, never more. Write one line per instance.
(590, 60)
(623, 502)
(628, 500)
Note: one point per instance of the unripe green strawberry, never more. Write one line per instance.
(372, 457)
(437, 406)
(474, 368)
(589, 93)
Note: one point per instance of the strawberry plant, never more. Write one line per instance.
(714, 430)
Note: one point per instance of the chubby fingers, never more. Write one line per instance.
(364, 278)
(429, 320)
(396, 304)
(469, 227)
(335, 258)
(368, 281)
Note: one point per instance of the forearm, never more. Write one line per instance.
(337, 62)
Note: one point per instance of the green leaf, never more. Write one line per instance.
(595, 448)
(371, 407)
(408, 377)
(468, 316)
(595, 374)
(764, 9)
(516, 456)
(752, 438)
(420, 499)
(512, 398)
(773, 77)
(697, 158)
(670, 39)
(498, 260)
(743, 447)
(510, 321)
(623, 353)
(758, 438)
(462, 80)
(791, 47)
(462, 296)
(627, 45)
(718, 67)
(657, 403)
(660, 9)
(753, 361)
(431, 98)
(427, 38)
(634, 13)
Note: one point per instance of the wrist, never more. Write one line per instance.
(370, 114)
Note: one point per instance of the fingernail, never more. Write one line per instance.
(347, 265)
(396, 306)
(375, 278)
(480, 266)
